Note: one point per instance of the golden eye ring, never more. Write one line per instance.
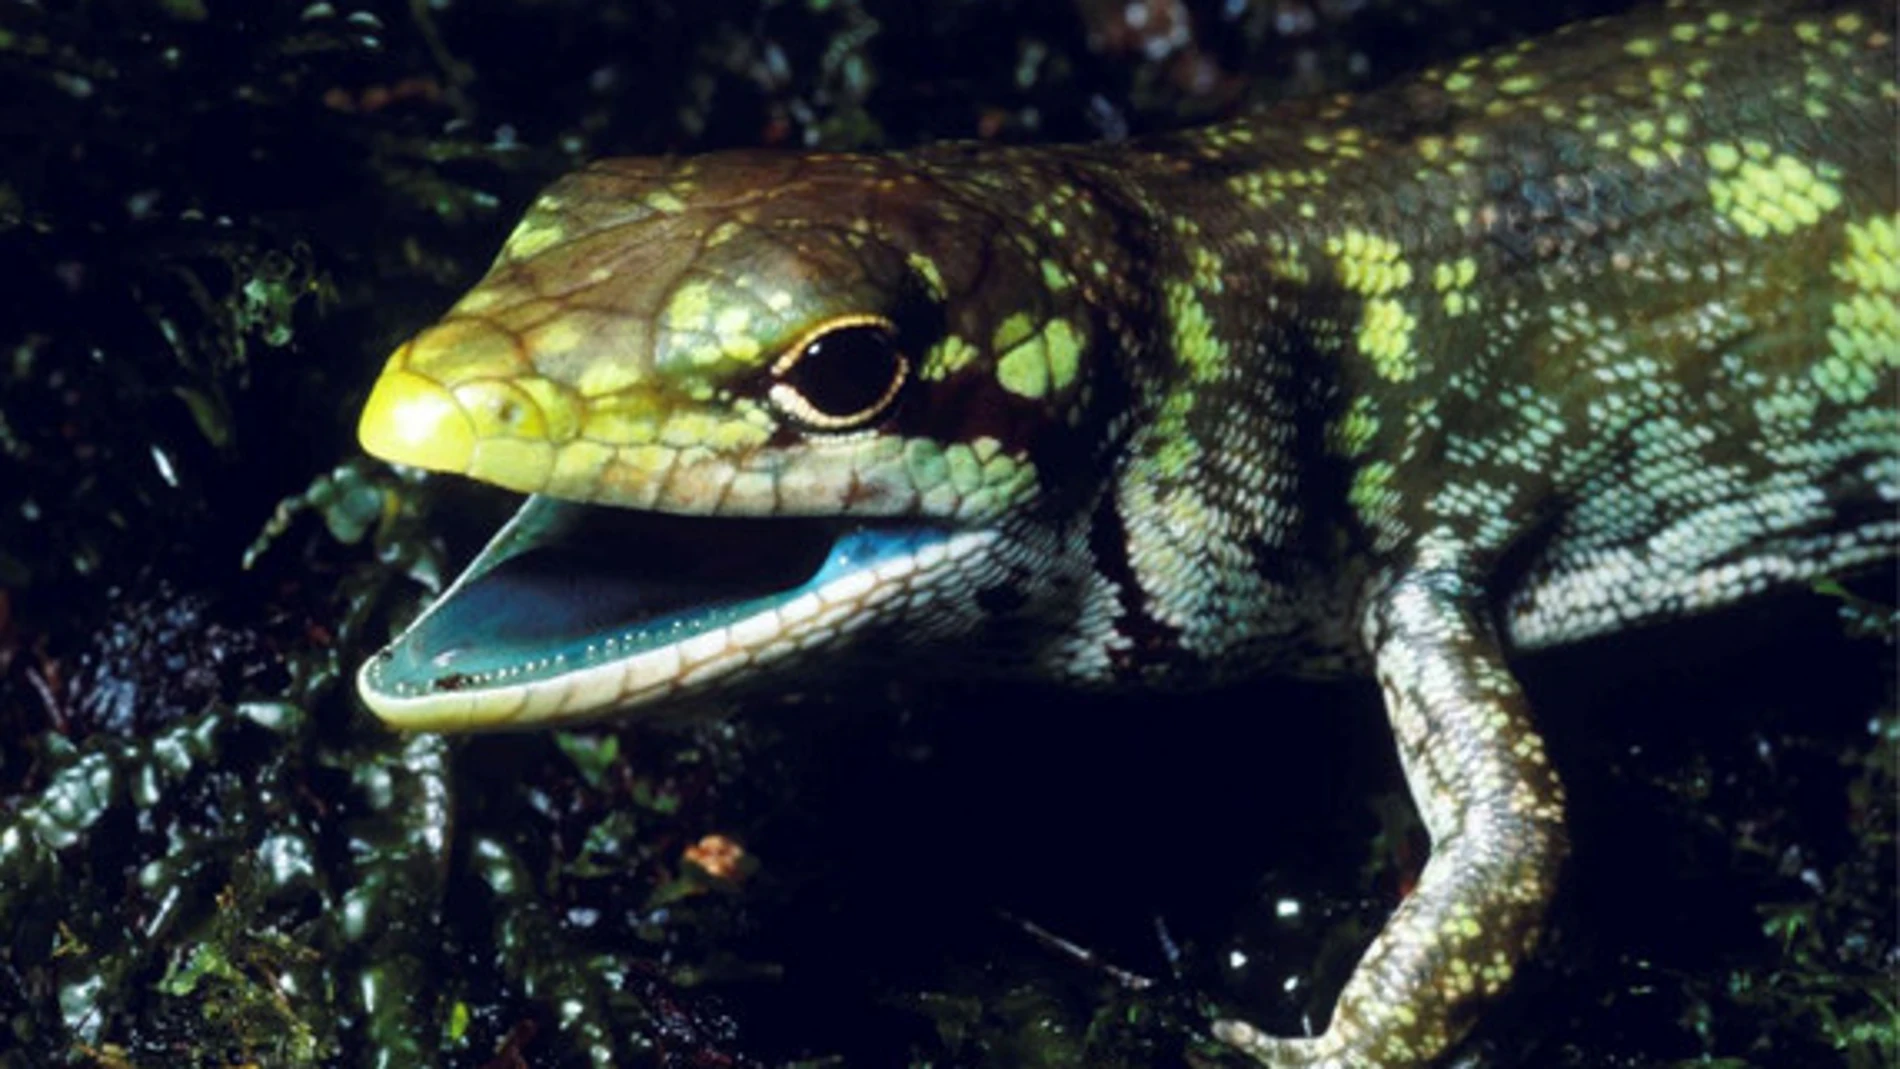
(841, 375)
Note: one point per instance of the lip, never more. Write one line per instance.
(572, 612)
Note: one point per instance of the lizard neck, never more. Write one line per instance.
(1229, 560)
(1177, 537)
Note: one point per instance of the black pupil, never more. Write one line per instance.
(846, 372)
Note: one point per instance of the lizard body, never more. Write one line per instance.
(1585, 333)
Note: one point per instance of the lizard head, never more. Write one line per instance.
(763, 403)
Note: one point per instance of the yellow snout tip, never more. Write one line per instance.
(413, 420)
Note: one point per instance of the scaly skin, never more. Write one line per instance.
(1589, 332)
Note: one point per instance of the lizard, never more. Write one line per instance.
(1571, 337)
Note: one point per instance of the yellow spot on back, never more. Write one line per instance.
(1207, 269)
(1385, 338)
(1352, 432)
(1193, 332)
(1371, 493)
(1368, 263)
(1873, 255)
(1778, 196)
(1864, 341)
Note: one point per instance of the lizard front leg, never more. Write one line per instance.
(1493, 806)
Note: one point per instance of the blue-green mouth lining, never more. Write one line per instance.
(563, 586)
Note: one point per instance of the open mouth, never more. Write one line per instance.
(574, 611)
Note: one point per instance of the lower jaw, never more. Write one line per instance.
(577, 612)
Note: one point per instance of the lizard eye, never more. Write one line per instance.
(841, 376)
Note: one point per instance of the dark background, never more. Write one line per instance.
(216, 219)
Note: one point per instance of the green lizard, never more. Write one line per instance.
(1585, 333)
